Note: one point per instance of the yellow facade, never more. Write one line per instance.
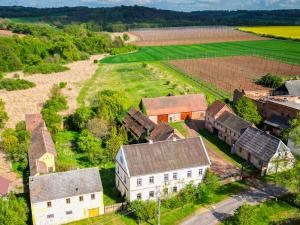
(49, 160)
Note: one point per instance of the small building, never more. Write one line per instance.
(290, 88)
(213, 112)
(145, 170)
(144, 129)
(276, 124)
(34, 121)
(59, 198)
(266, 152)
(175, 108)
(230, 127)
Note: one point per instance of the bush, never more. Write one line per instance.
(62, 85)
(144, 210)
(45, 68)
(248, 110)
(80, 118)
(172, 202)
(125, 37)
(123, 50)
(271, 81)
(15, 84)
(3, 114)
(52, 119)
(56, 104)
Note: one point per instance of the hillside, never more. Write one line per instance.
(126, 17)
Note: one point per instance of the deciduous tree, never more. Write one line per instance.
(248, 110)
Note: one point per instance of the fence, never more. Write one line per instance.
(115, 207)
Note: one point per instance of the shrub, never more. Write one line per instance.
(3, 114)
(56, 104)
(52, 119)
(248, 110)
(125, 37)
(62, 85)
(80, 118)
(144, 211)
(270, 80)
(45, 68)
(15, 84)
(172, 202)
(123, 50)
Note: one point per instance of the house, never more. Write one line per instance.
(266, 152)
(42, 153)
(63, 197)
(175, 108)
(145, 170)
(213, 112)
(142, 128)
(230, 127)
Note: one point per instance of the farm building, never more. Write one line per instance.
(142, 128)
(175, 108)
(266, 152)
(145, 170)
(290, 88)
(59, 198)
(213, 112)
(42, 153)
(230, 127)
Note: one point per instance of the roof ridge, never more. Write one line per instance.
(174, 96)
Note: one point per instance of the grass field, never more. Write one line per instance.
(285, 51)
(292, 32)
(138, 80)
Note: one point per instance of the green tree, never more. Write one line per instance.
(247, 110)
(14, 211)
(3, 114)
(294, 130)
(81, 116)
(208, 188)
(116, 139)
(244, 216)
(52, 119)
(144, 210)
(99, 127)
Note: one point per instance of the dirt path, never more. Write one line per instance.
(19, 103)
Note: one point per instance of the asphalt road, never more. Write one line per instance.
(225, 209)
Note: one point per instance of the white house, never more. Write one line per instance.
(145, 170)
(63, 197)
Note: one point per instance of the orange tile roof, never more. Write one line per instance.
(216, 107)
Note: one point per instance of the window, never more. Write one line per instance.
(49, 204)
(139, 196)
(166, 177)
(151, 194)
(81, 198)
(175, 189)
(68, 200)
(118, 170)
(50, 216)
(69, 212)
(175, 176)
(121, 160)
(200, 172)
(92, 196)
(189, 174)
(139, 182)
(151, 180)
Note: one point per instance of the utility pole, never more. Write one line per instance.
(158, 210)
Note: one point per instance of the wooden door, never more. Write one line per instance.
(163, 118)
(186, 116)
(93, 212)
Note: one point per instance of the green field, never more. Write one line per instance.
(138, 80)
(285, 51)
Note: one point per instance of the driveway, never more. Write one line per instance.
(213, 215)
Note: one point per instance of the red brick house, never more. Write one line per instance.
(175, 108)
(213, 112)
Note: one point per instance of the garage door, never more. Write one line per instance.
(186, 115)
(93, 212)
(162, 118)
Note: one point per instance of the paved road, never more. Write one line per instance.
(224, 209)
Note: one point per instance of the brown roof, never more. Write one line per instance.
(164, 156)
(137, 123)
(4, 185)
(34, 121)
(161, 132)
(216, 107)
(233, 122)
(175, 104)
(41, 143)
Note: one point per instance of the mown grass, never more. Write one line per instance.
(180, 126)
(285, 51)
(139, 80)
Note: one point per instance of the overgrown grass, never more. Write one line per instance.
(180, 126)
(45, 68)
(11, 84)
(139, 80)
(285, 51)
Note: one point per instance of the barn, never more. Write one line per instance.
(175, 108)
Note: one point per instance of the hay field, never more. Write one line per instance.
(18, 103)
(189, 35)
(289, 32)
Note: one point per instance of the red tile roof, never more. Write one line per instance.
(216, 107)
(34, 121)
(161, 132)
(174, 104)
(4, 185)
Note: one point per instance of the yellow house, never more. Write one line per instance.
(62, 197)
(42, 153)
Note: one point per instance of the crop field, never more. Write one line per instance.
(284, 51)
(193, 35)
(292, 32)
(229, 73)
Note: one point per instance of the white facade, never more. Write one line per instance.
(147, 186)
(59, 211)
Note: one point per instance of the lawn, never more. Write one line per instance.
(68, 157)
(285, 51)
(275, 31)
(273, 212)
(180, 126)
(138, 80)
(168, 216)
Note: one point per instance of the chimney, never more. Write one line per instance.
(150, 142)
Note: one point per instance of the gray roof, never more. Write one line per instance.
(293, 87)
(64, 184)
(278, 122)
(164, 156)
(233, 122)
(259, 143)
(289, 104)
